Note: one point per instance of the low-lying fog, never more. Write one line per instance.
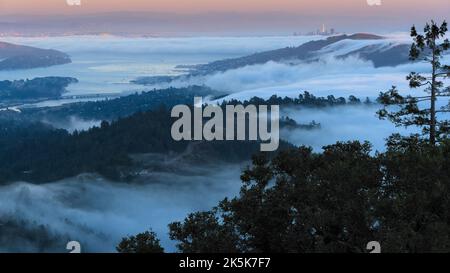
(342, 123)
(74, 124)
(330, 76)
(98, 213)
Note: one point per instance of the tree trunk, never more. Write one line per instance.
(433, 99)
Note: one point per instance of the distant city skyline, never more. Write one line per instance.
(231, 17)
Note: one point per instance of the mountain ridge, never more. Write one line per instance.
(384, 53)
(26, 57)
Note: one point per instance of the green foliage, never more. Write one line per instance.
(146, 242)
(113, 109)
(335, 201)
(203, 232)
(414, 202)
(36, 152)
(38, 88)
(410, 111)
(304, 99)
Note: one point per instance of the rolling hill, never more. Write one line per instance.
(14, 57)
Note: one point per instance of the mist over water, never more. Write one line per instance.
(108, 64)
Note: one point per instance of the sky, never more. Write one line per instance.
(274, 16)
(338, 8)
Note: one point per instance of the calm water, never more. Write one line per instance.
(107, 64)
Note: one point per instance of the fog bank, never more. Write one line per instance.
(98, 213)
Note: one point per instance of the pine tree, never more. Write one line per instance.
(422, 111)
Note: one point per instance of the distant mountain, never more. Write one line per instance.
(14, 57)
(377, 49)
(311, 51)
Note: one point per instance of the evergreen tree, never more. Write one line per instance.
(422, 111)
(146, 242)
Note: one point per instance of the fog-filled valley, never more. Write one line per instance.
(94, 162)
(98, 213)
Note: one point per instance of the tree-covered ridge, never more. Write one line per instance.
(112, 109)
(37, 88)
(305, 99)
(35, 152)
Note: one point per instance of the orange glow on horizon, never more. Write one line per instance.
(199, 6)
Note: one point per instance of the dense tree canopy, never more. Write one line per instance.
(335, 201)
(146, 242)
